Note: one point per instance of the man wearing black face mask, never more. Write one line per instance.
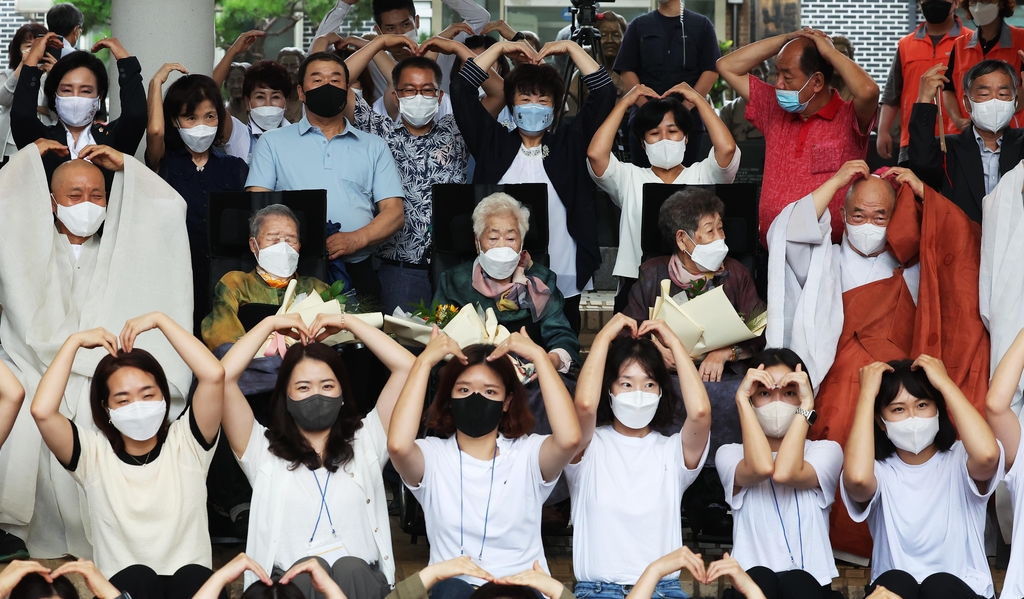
(928, 45)
(323, 152)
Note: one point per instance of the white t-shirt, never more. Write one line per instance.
(759, 533)
(626, 496)
(1013, 584)
(240, 143)
(528, 167)
(346, 501)
(153, 514)
(929, 518)
(625, 185)
(513, 521)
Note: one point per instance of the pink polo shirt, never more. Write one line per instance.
(801, 154)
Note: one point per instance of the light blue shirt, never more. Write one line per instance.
(989, 161)
(355, 168)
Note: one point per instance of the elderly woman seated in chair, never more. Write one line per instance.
(691, 221)
(274, 241)
(505, 278)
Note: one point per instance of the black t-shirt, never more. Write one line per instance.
(653, 49)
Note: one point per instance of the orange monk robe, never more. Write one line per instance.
(881, 323)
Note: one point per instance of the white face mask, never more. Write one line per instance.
(992, 115)
(417, 111)
(76, 111)
(635, 409)
(709, 256)
(280, 260)
(500, 262)
(83, 219)
(913, 434)
(267, 118)
(413, 34)
(868, 239)
(198, 138)
(139, 420)
(666, 153)
(775, 418)
(984, 14)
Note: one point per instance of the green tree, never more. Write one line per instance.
(96, 13)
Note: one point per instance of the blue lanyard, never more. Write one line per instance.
(487, 510)
(799, 525)
(323, 506)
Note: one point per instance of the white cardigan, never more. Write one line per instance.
(267, 473)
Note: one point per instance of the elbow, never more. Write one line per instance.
(988, 460)
(764, 470)
(700, 415)
(570, 442)
(783, 476)
(398, 448)
(857, 483)
(39, 412)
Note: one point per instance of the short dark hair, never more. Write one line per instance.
(75, 60)
(775, 356)
(276, 590)
(382, 6)
(325, 56)
(517, 419)
(34, 586)
(493, 590)
(63, 18)
(270, 74)
(811, 62)
(917, 384)
(474, 42)
(286, 440)
(182, 97)
(99, 391)
(416, 62)
(14, 48)
(684, 209)
(646, 355)
(542, 79)
(649, 116)
(987, 67)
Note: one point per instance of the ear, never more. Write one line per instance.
(254, 247)
(376, 29)
(966, 101)
(394, 94)
(505, 404)
(683, 241)
(301, 93)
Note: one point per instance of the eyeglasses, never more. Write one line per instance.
(408, 92)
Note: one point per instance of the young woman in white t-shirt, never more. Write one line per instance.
(143, 475)
(922, 492)
(627, 481)
(1007, 428)
(316, 470)
(482, 488)
(779, 485)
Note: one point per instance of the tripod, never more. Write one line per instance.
(585, 34)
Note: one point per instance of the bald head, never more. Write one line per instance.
(871, 200)
(76, 182)
(799, 60)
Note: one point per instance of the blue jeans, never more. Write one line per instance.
(666, 589)
(402, 287)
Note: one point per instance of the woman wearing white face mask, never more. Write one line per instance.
(691, 221)
(664, 125)
(922, 492)
(144, 476)
(505, 278)
(627, 481)
(779, 484)
(76, 89)
(179, 146)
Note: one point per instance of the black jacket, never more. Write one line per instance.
(495, 148)
(963, 180)
(123, 133)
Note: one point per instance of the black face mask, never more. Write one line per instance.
(475, 415)
(316, 412)
(936, 11)
(326, 101)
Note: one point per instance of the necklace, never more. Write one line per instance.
(487, 510)
(136, 460)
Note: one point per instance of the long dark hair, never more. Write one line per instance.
(99, 391)
(517, 419)
(286, 440)
(646, 355)
(917, 384)
(34, 586)
(774, 356)
(14, 56)
(183, 96)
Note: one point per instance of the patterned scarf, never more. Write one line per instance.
(521, 292)
(684, 279)
(269, 279)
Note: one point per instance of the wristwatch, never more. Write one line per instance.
(810, 415)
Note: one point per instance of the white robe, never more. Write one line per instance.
(807, 276)
(138, 264)
(1001, 281)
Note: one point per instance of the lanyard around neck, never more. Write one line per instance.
(799, 526)
(462, 511)
(323, 506)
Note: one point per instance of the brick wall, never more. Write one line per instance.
(10, 21)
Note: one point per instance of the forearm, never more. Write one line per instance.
(488, 57)
(405, 418)
(473, 14)
(757, 464)
(1004, 423)
(395, 357)
(203, 364)
(705, 83)
(790, 466)
(887, 117)
(220, 72)
(382, 227)
(241, 353)
(212, 588)
(565, 427)
(824, 194)
(50, 391)
(718, 132)
(859, 453)
(646, 585)
(156, 112)
(600, 148)
(12, 395)
(977, 437)
(951, 105)
(584, 61)
(735, 66)
(361, 58)
(857, 80)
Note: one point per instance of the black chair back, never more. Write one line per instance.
(229, 230)
(452, 222)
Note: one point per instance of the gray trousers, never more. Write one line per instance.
(357, 579)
